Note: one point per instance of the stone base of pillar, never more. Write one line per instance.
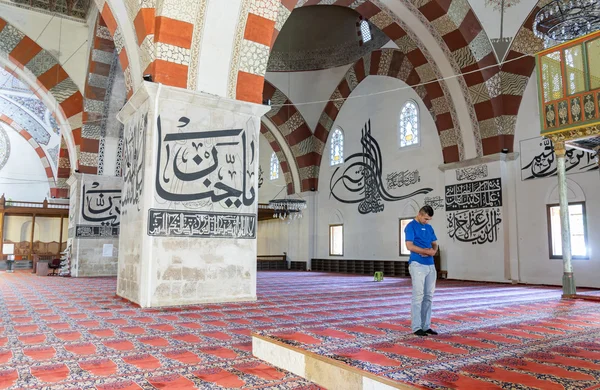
(188, 221)
(569, 290)
(94, 218)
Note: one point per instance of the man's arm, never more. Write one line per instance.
(434, 246)
(420, 251)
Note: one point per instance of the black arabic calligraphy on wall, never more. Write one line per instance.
(472, 173)
(402, 179)
(101, 210)
(473, 211)
(538, 159)
(478, 226)
(436, 202)
(135, 149)
(168, 223)
(205, 168)
(473, 195)
(361, 179)
(101, 206)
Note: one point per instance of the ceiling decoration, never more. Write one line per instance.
(4, 147)
(564, 20)
(74, 8)
(321, 37)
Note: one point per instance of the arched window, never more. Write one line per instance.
(365, 31)
(274, 167)
(337, 148)
(409, 125)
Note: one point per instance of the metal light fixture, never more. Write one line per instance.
(564, 20)
(287, 209)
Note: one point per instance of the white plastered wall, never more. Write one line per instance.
(376, 235)
(23, 177)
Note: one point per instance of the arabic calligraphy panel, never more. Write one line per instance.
(206, 169)
(538, 159)
(360, 179)
(479, 226)
(472, 173)
(134, 162)
(436, 202)
(101, 206)
(201, 224)
(473, 195)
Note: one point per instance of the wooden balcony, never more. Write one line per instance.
(569, 91)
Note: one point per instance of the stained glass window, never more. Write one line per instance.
(409, 125)
(274, 167)
(365, 31)
(337, 147)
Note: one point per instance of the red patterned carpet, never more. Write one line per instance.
(66, 333)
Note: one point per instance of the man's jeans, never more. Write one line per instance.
(423, 284)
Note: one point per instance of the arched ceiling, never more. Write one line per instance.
(321, 37)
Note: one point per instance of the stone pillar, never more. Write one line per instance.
(94, 224)
(568, 278)
(190, 204)
(598, 157)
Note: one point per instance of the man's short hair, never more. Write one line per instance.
(427, 209)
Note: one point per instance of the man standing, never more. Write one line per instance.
(422, 244)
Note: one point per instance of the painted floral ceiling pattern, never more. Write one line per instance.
(74, 8)
(4, 147)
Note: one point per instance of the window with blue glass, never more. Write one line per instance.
(274, 167)
(337, 147)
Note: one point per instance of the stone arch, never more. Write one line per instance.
(458, 33)
(284, 155)
(411, 208)
(574, 193)
(515, 73)
(166, 35)
(29, 62)
(36, 147)
(297, 134)
(95, 93)
(336, 217)
(391, 63)
(124, 41)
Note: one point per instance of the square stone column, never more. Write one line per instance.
(189, 215)
(480, 214)
(94, 224)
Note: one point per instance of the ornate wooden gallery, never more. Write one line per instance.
(569, 95)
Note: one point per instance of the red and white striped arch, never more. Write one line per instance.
(33, 143)
(30, 63)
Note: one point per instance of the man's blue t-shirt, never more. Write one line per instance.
(421, 236)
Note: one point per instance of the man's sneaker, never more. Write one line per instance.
(431, 331)
(421, 332)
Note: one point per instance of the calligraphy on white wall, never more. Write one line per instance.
(201, 224)
(436, 202)
(360, 180)
(402, 179)
(100, 211)
(473, 211)
(538, 159)
(135, 148)
(472, 173)
(212, 174)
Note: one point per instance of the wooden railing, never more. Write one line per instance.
(43, 209)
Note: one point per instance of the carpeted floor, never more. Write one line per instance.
(75, 334)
